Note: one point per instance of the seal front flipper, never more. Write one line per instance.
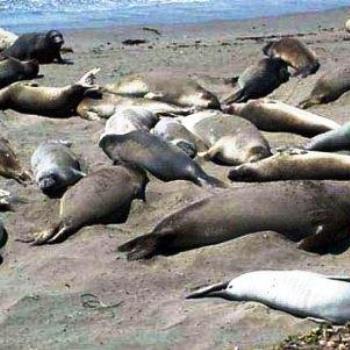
(213, 290)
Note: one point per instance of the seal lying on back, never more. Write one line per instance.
(47, 101)
(101, 197)
(314, 212)
(168, 87)
(259, 80)
(55, 166)
(232, 140)
(300, 293)
(163, 160)
(12, 70)
(44, 47)
(272, 115)
(295, 53)
(295, 165)
(331, 141)
(328, 88)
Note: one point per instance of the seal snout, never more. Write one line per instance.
(47, 183)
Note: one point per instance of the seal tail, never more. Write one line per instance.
(214, 290)
(142, 247)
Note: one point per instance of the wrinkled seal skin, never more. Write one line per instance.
(231, 140)
(272, 115)
(167, 87)
(295, 53)
(55, 102)
(259, 80)
(102, 197)
(300, 293)
(295, 165)
(328, 88)
(163, 160)
(55, 167)
(44, 47)
(316, 213)
(12, 70)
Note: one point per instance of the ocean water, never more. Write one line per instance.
(30, 15)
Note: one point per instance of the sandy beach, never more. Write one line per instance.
(82, 293)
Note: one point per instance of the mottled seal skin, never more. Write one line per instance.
(328, 88)
(12, 70)
(163, 160)
(45, 47)
(6, 39)
(55, 102)
(259, 80)
(231, 140)
(55, 167)
(10, 167)
(107, 104)
(295, 53)
(272, 115)
(171, 130)
(168, 87)
(102, 197)
(314, 212)
(331, 141)
(295, 165)
(300, 293)
(130, 119)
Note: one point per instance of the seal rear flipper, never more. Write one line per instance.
(217, 289)
(236, 97)
(210, 181)
(142, 247)
(309, 102)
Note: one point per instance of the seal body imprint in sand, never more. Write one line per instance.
(300, 293)
(316, 213)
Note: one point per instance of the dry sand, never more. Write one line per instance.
(44, 301)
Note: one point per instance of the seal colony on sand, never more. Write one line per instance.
(316, 214)
(300, 293)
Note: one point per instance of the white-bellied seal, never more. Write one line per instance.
(55, 166)
(331, 141)
(102, 197)
(328, 88)
(259, 80)
(170, 87)
(231, 140)
(272, 115)
(171, 130)
(125, 120)
(6, 39)
(314, 212)
(295, 164)
(300, 293)
(295, 53)
(45, 47)
(47, 101)
(162, 159)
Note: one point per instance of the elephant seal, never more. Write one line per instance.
(314, 212)
(259, 80)
(44, 47)
(331, 141)
(102, 197)
(171, 130)
(12, 70)
(167, 87)
(295, 165)
(130, 119)
(231, 140)
(295, 53)
(163, 160)
(47, 101)
(300, 293)
(347, 25)
(272, 115)
(6, 39)
(55, 166)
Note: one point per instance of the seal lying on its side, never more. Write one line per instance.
(300, 293)
(272, 115)
(47, 101)
(316, 213)
(295, 165)
(163, 160)
(101, 197)
(55, 166)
